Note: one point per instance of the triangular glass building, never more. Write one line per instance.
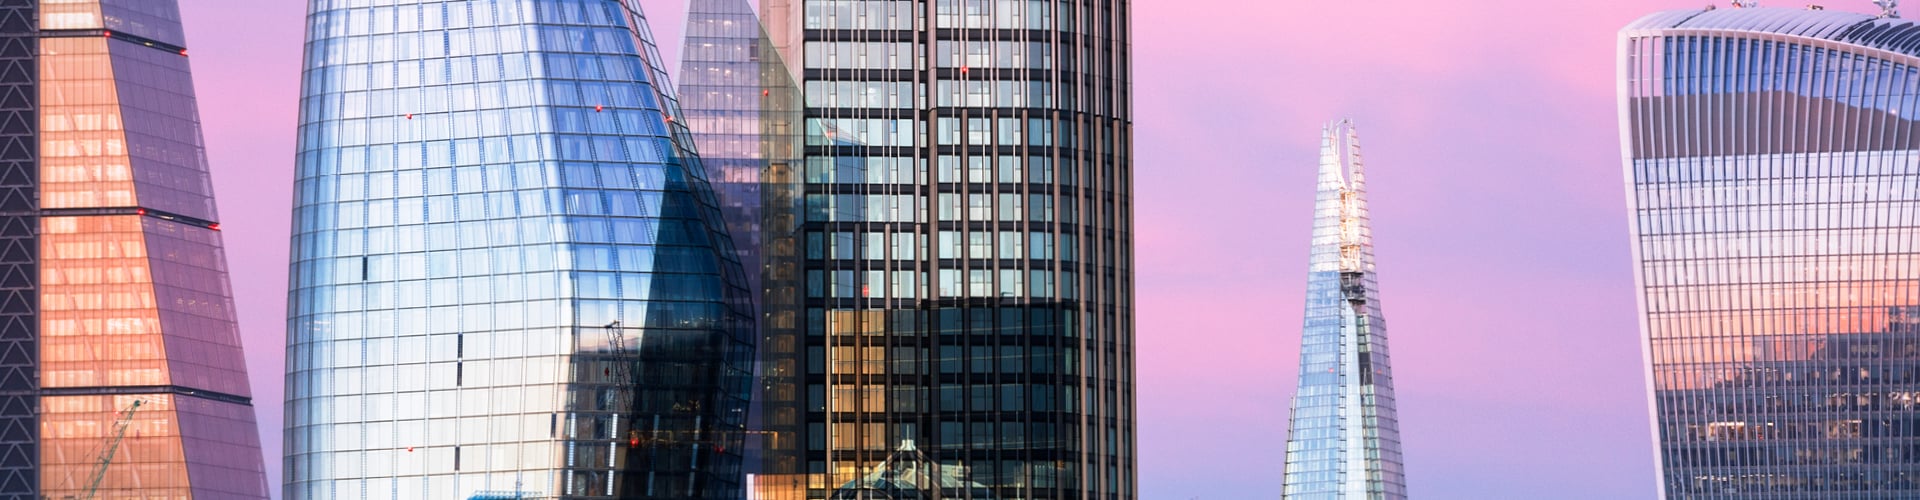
(1344, 438)
(112, 262)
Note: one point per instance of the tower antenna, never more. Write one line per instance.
(1746, 4)
(1888, 8)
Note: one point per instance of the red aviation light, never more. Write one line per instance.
(183, 52)
(633, 442)
(139, 211)
(409, 116)
(765, 92)
(597, 108)
(106, 33)
(214, 226)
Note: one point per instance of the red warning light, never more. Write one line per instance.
(214, 226)
(183, 52)
(963, 70)
(409, 116)
(106, 33)
(597, 108)
(139, 211)
(764, 92)
(633, 442)
(409, 449)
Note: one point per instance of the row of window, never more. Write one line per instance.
(948, 207)
(951, 283)
(536, 312)
(951, 245)
(1851, 196)
(1781, 169)
(951, 360)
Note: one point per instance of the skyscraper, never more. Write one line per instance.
(1343, 440)
(1773, 168)
(510, 275)
(124, 373)
(966, 316)
(744, 109)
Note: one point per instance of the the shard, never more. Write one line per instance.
(1344, 439)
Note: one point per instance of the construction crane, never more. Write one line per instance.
(113, 445)
(620, 394)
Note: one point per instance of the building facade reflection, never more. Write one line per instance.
(511, 277)
(742, 104)
(1774, 176)
(966, 321)
(135, 306)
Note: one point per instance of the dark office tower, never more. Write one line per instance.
(1773, 161)
(1343, 442)
(744, 110)
(111, 261)
(966, 319)
(510, 276)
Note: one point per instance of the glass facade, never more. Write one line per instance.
(1773, 165)
(511, 277)
(745, 112)
(1343, 439)
(965, 318)
(135, 306)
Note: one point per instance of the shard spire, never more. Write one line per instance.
(1343, 440)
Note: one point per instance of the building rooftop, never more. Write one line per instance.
(1885, 33)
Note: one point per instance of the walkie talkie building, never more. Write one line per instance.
(1773, 165)
(510, 277)
(1343, 437)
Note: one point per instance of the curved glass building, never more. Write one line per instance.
(1343, 436)
(1773, 166)
(510, 276)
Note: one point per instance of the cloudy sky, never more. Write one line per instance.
(1498, 209)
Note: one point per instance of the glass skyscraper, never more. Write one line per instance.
(1773, 166)
(963, 328)
(1343, 439)
(744, 109)
(123, 370)
(510, 276)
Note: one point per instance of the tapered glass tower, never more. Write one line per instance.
(965, 325)
(111, 262)
(1343, 440)
(1772, 160)
(510, 276)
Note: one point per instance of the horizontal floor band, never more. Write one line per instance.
(147, 389)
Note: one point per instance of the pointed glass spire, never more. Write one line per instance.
(1344, 439)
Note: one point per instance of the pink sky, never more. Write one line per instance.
(1497, 204)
